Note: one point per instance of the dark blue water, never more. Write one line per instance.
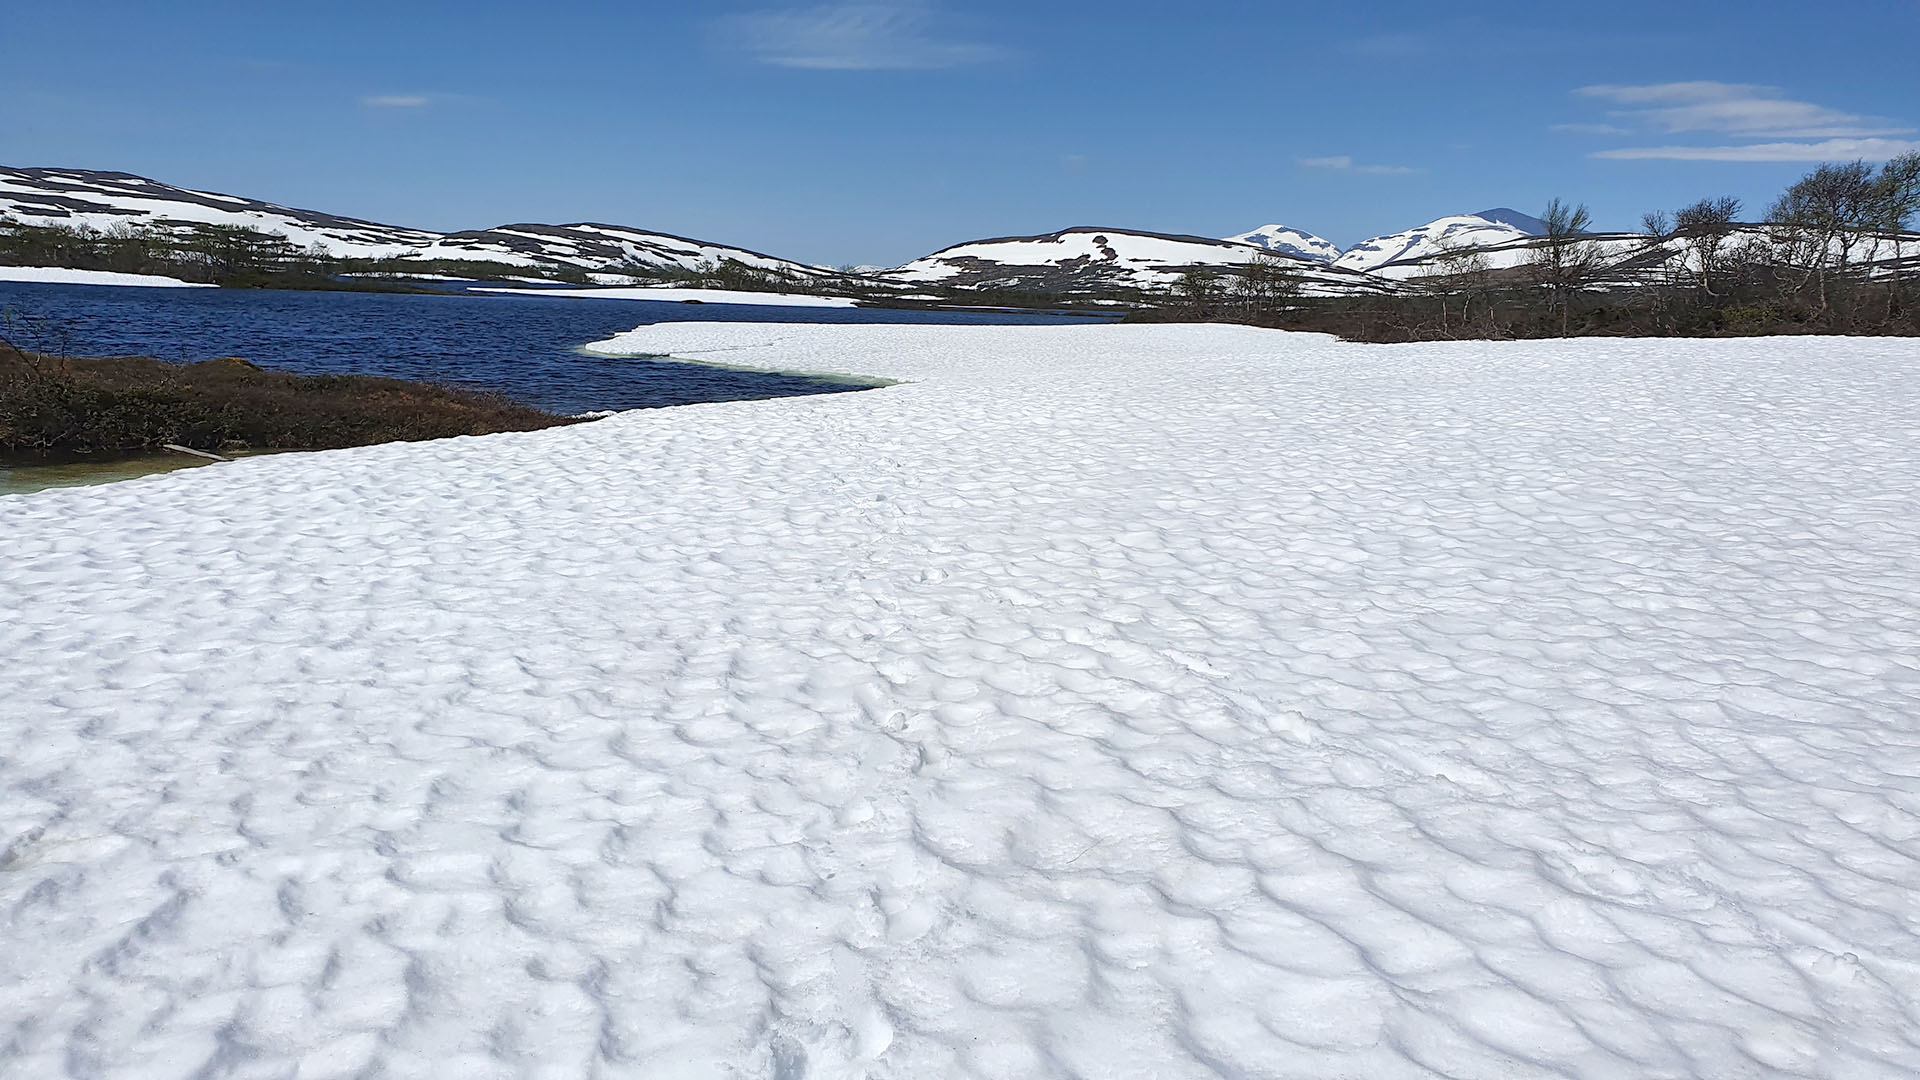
(521, 345)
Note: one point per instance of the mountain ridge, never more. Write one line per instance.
(1084, 257)
(102, 200)
(1079, 261)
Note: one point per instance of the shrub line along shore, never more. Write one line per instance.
(63, 406)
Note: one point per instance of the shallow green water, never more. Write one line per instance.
(20, 478)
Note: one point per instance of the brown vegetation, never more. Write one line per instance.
(56, 405)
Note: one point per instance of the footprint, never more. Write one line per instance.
(789, 1058)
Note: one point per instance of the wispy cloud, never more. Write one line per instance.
(1738, 109)
(1751, 122)
(1345, 163)
(1824, 150)
(1590, 129)
(871, 35)
(396, 101)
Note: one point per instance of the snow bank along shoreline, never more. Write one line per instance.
(1112, 701)
(58, 275)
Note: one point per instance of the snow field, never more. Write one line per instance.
(671, 294)
(67, 276)
(1107, 701)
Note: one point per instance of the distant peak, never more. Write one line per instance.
(1506, 215)
(1289, 241)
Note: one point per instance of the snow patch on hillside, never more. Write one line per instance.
(1288, 241)
(1091, 258)
(106, 201)
(61, 275)
(1435, 238)
(671, 295)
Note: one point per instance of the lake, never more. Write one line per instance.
(524, 346)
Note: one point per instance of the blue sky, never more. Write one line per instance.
(873, 132)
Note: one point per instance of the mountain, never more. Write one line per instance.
(1526, 223)
(1288, 241)
(1088, 259)
(105, 200)
(1084, 261)
(1490, 228)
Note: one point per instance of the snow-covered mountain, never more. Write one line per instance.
(1086, 258)
(1487, 229)
(1630, 259)
(1288, 241)
(1073, 261)
(105, 200)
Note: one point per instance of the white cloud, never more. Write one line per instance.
(1345, 163)
(1738, 109)
(396, 101)
(1825, 150)
(873, 35)
(1776, 127)
(1670, 93)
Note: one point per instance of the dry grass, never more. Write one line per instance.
(57, 406)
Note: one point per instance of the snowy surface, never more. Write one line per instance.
(1107, 701)
(1290, 241)
(108, 201)
(671, 294)
(1085, 257)
(1634, 258)
(1136, 250)
(61, 275)
(1457, 233)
